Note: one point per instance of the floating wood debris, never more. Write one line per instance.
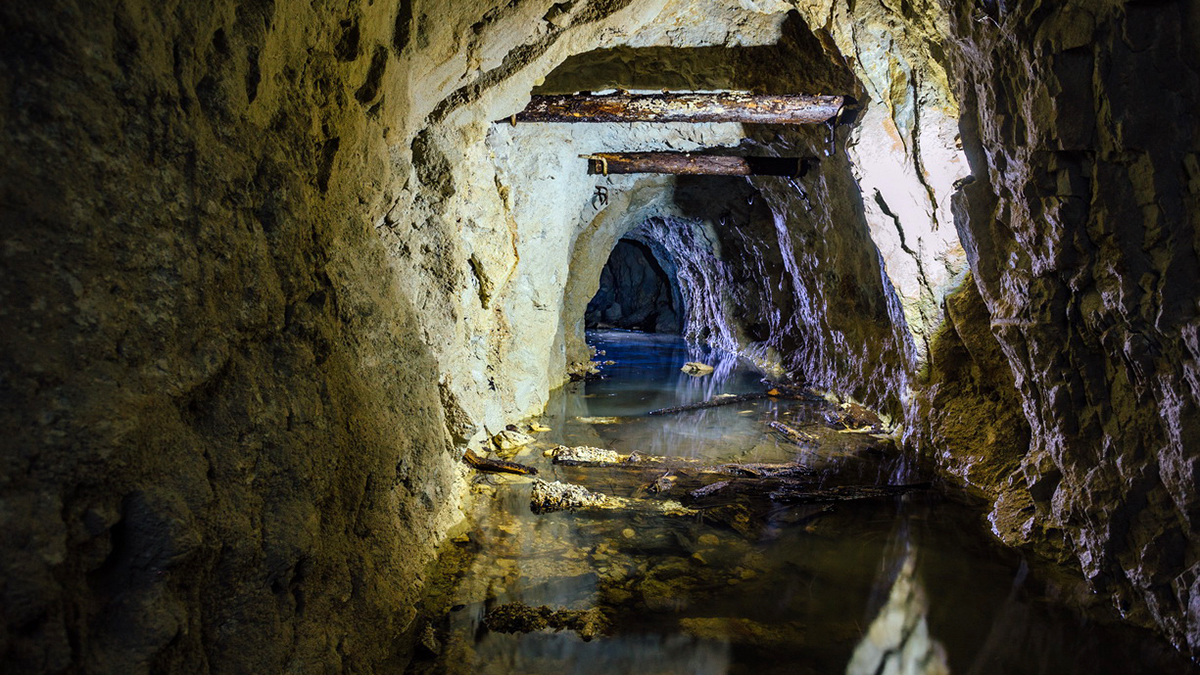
(723, 399)
(730, 399)
(802, 494)
(497, 465)
(793, 492)
(695, 164)
(586, 456)
(718, 107)
(794, 435)
(663, 484)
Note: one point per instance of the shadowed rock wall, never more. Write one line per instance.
(224, 452)
(1082, 231)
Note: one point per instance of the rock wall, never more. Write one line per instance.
(904, 146)
(224, 451)
(1082, 232)
(967, 411)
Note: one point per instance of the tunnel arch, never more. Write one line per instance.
(915, 259)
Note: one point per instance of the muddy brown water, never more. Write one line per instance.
(912, 584)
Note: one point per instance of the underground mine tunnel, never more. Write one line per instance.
(600, 336)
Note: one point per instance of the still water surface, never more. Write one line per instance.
(910, 584)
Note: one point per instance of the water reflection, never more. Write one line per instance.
(900, 585)
(622, 654)
(897, 639)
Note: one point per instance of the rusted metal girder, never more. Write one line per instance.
(695, 164)
(722, 107)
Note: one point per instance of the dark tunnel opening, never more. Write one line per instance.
(637, 292)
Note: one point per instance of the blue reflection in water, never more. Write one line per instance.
(912, 585)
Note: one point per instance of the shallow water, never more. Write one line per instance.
(909, 584)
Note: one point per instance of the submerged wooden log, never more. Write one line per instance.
(497, 465)
(694, 164)
(586, 456)
(720, 107)
(710, 489)
(791, 492)
(795, 435)
(723, 399)
(798, 494)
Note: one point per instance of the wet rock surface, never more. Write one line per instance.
(1081, 228)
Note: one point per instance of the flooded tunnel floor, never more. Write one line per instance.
(904, 584)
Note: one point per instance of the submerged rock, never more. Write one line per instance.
(511, 440)
(556, 496)
(744, 631)
(583, 370)
(585, 454)
(517, 617)
(429, 640)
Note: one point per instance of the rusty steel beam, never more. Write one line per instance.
(723, 107)
(694, 164)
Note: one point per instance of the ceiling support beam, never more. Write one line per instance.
(717, 107)
(695, 164)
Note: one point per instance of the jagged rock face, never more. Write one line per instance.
(967, 405)
(635, 292)
(904, 147)
(225, 451)
(1082, 231)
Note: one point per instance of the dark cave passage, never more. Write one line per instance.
(637, 292)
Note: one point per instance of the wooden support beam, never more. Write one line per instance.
(694, 164)
(722, 107)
